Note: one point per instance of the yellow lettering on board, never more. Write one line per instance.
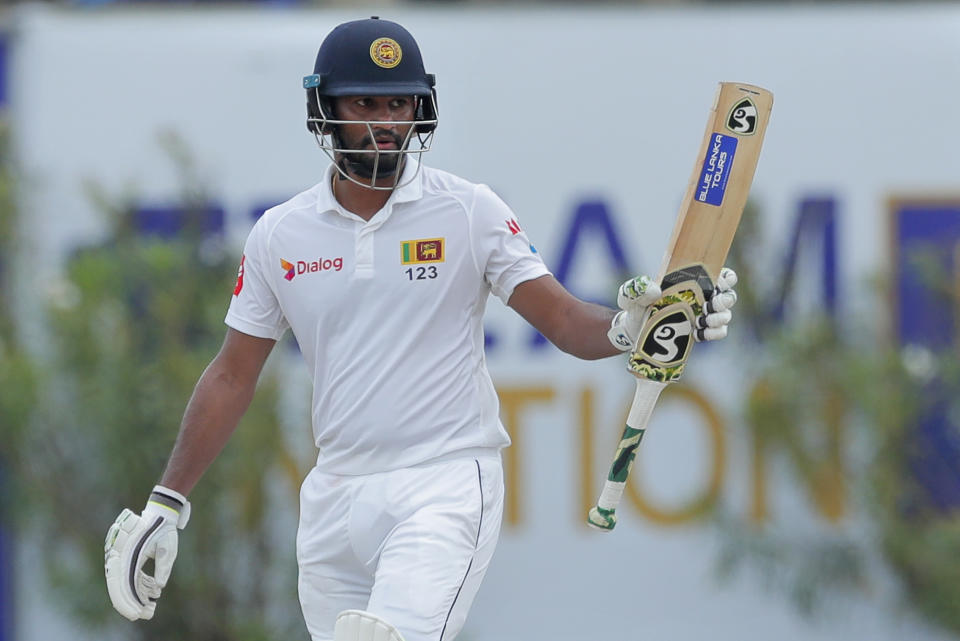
(702, 502)
(513, 402)
(588, 491)
(815, 448)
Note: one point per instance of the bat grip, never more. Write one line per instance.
(644, 399)
(603, 516)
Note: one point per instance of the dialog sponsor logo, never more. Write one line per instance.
(300, 267)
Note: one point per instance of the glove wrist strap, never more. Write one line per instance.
(618, 335)
(172, 500)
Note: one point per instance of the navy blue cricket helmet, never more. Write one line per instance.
(370, 57)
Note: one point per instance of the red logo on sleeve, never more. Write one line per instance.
(239, 285)
(514, 226)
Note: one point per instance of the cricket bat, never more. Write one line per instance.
(702, 234)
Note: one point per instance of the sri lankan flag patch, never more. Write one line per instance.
(426, 250)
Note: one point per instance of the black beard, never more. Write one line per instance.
(362, 164)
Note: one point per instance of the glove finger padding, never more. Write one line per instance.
(637, 293)
(713, 324)
(717, 319)
(711, 333)
(727, 279)
(123, 563)
(147, 587)
(633, 298)
(164, 554)
(722, 301)
(711, 327)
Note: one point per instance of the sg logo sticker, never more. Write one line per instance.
(743, 118)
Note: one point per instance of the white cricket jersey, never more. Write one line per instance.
(388, 314)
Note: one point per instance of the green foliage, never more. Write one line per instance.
(920, 541)
(823, 386)
(17, 373)
(129, 330)
(798, 415)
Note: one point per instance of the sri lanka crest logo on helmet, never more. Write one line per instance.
(386, 53)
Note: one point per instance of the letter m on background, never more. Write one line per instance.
(591, 219)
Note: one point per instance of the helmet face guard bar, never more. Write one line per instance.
(323, 126)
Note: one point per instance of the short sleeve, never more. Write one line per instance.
(254, 309)
(503, 250)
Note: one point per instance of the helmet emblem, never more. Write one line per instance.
(385, 52)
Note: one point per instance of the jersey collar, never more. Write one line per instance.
(409, 192)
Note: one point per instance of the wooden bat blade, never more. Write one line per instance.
(721, 179)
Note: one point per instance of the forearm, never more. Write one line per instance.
(583, 331)
(576, 327)
(218, 402)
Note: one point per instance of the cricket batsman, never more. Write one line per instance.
(382, 272)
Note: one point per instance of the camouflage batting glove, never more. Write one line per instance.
(633, 299)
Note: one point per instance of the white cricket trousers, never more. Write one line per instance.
(409, 545)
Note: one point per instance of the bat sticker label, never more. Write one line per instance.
(743, 118)
(669, 340)
(716, 169)
(666, 339)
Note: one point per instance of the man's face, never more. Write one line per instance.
(381, 135)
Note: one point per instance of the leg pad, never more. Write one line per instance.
(357, 625)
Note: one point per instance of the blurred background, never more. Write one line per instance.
(802, 482)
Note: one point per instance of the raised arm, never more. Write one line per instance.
(575, 326)
(591, 331)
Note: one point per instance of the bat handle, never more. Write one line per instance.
(604, 515)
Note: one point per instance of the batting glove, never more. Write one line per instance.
(712, 324)
(633, 299)
(131, 540)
